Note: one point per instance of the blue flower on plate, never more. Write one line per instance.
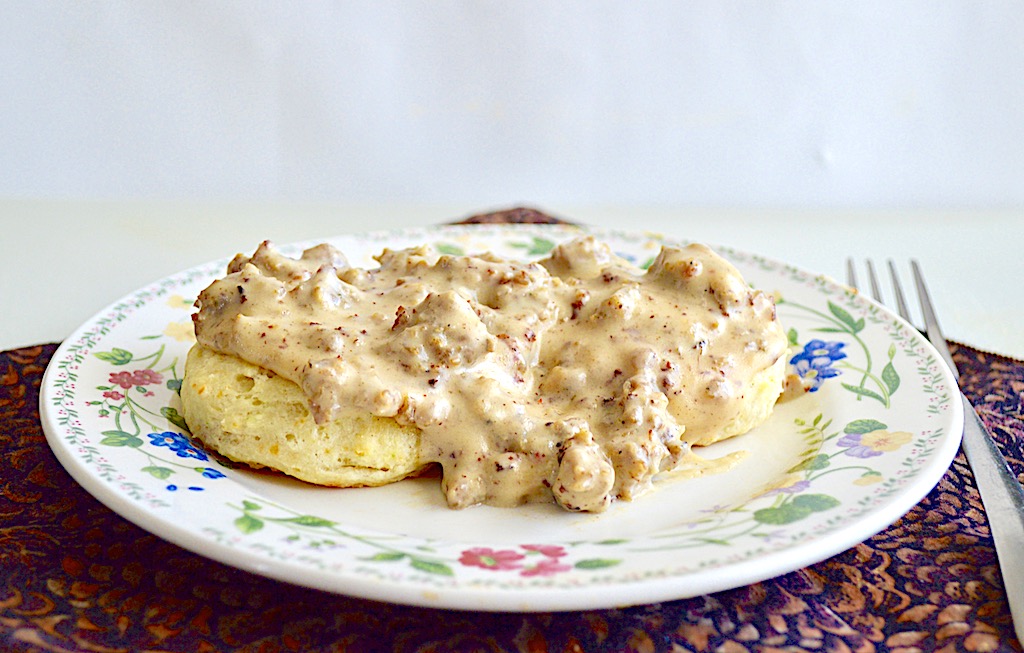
(177, 443)
(192, 488)
(210, 472)
(815, 362)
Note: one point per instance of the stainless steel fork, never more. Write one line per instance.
(1001, 494)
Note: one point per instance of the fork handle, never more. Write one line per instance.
(1003, 498)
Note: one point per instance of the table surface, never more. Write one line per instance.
(66, 260)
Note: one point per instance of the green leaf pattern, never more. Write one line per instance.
(314, 532)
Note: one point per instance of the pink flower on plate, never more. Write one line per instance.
(139, 377)
(548, 550)
(487, 558)
(546, 567)
(113, 395)
(146, 377)
(123, 379)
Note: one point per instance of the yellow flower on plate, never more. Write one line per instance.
(885, 440)
(181, 331)
(177, 301)
(869, 478)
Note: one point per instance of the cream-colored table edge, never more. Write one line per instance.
(65, 260)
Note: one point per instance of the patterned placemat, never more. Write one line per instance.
(74, 576)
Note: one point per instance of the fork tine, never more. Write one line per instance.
(931, 323)
(851, 274)
(873, 281)
(897, 291)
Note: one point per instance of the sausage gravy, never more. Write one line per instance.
(573, 379)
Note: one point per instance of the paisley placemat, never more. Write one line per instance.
(74, 576)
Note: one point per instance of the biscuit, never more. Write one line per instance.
(253, 416)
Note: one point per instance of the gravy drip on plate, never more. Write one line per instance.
(576, 379)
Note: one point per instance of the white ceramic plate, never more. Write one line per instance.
(826, 472)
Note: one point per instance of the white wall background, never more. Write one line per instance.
(873, 104)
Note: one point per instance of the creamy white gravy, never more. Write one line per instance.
(576, 379)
